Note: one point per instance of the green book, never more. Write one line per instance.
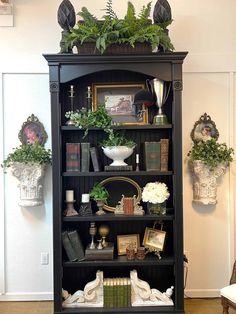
(105, 293)
(128, 292)
(152, 156)
(76, 244)
(70, 252)
(85, 157)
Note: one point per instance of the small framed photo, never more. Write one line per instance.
(204, 129)
(119, 102)
(154, 239)
(32, 131)
(123, 241)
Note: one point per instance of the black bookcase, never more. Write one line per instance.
(83, 71)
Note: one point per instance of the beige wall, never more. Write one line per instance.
(206, 30)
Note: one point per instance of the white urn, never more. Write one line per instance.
(30, 178)
(118, 154)
(205, 182)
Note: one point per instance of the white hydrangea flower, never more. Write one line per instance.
(155, 192)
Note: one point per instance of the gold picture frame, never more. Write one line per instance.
(123, 241)
(154, 240)
(118, 99)
(129, 188)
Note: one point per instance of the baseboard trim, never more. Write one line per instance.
(199, 293)
(44, 296)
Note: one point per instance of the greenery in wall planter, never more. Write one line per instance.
(28, 154)
(211, 153)
(129, 31)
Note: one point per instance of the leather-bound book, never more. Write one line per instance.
(72, 156)
(70, 252)
(95, 159)
(152, 156)
(85, 157)
(164, 154)
(76, 244)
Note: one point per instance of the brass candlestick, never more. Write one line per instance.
(104, 231)
(71, 96)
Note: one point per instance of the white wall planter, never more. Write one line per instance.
(30, 178)
(205, 182)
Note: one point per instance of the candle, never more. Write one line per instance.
(137, 158)
(72, 88)
(85, 198)
(69, 195)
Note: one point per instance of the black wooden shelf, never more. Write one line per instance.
(113, 217)
(134, 310)
(122, 261)
(120, 127)
(116, 173)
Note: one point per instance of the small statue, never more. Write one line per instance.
(66, 19)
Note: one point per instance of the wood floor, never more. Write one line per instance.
(192, 306)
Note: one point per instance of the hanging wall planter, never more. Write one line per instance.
(208, 160)
(28, 162)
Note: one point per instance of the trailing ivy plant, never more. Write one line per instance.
(111, 30)
(211, 153)
(117, 139)
(28, 153)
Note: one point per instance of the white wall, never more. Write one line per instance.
(205, 29)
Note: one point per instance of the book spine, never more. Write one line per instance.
(72, 156)
(76, 244)
(68, 247)
(128, 288)
(164, 153)
(95, 159)
(128, 205)
(152, 156)
(105, 293)
(85, 157)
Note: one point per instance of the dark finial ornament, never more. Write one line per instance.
(162, 13)
(66, 19)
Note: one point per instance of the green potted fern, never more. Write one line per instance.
(91, 35)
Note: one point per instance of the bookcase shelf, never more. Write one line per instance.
(66, 70)
(122, 261)
(115, 173)
(113, 217)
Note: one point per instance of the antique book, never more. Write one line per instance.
(85, 157)
(164, 154)
(152, 156)
(72, 156)
(128, 205)
(76, 244)
(70, 252)
(96, 162)
(118, 168)
(107, 253)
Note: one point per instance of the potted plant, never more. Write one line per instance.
(110, 32)
(155, 194)
(117, 147)
(208, 161)
(100, 195)
(28, 163)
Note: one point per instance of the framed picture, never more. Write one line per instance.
(204, 129)
(154, 239)
(123, 241)
(119, 102)
(32, 131)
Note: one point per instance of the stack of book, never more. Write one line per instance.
(77, 157)
(116, 292)
(73, 246)
(156, 155)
